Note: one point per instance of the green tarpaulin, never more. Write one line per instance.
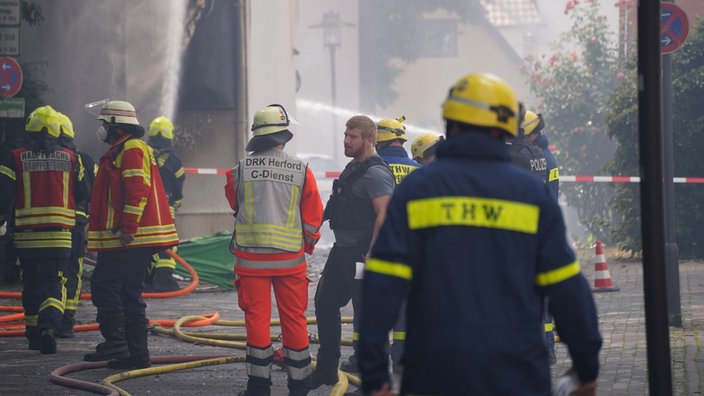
(210, 257)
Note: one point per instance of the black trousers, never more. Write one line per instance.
(43, 292)
(335, 289)
(116, 284)
(74, 267)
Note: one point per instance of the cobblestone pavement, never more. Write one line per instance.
(624, 358)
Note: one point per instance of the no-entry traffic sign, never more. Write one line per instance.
(10, 77)
(674, 27)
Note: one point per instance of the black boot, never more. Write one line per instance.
(112, 327)
(322, 376)
(300, 387)
(67, 323)
(32, 334)
(257, 386)
(48, 342)
(138, 350)
(350, 365)
(163, 281)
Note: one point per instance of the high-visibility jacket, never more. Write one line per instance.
(42, 187)
(128, 197)
(400, 164)
(474, 244)
(278, 213)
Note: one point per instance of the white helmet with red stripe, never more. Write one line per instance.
(118, 112)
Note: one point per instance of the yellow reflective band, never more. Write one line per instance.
(31, 320)
(180, 172)
(389, 268)
(558, 275)
(81, 168)
(399, 335)
(64, 198)
(293, 205)
(554, 175)
(355, 336)
(473, 212)
(248, 202)
(549, 327)
(133, 173)
(52, 303)
(135, 210)
(8, 172)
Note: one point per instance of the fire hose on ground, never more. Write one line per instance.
(167, 327)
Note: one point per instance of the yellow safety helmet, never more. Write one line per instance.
(44, 117)
(425, 145)
(270, 128)
(391, 129)
(66, 126)
(118, 112)
(161, 126)
(532, 123)
(484, 100)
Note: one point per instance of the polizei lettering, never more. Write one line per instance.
(273, 169)
(54, 161)
(538, 165)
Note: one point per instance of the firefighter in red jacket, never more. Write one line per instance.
(40, 182)
(278, 213)
(129, 221)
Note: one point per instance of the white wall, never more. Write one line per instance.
(271, 70)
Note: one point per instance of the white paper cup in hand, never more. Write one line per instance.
(359, 270)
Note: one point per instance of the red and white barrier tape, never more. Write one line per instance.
(213, 171)
(574, 179)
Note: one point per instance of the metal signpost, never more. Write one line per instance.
(10, 70)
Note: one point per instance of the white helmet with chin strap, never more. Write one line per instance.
(118, 112)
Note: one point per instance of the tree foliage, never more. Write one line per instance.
(688, 129)
(573, 87)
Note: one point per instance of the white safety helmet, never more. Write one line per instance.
(118, 112)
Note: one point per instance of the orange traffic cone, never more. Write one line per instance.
(602, 278)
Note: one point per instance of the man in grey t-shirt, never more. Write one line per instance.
(356, 211)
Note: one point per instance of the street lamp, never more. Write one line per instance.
(332, 39)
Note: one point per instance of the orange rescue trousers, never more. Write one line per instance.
(291, 293)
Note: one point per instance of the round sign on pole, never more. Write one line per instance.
(10, 77)
(674, 27)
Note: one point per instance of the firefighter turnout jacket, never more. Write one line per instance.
(474, 244)
(43, 188)
(128, 197)
(278, 212)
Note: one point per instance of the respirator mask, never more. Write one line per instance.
(102, 134)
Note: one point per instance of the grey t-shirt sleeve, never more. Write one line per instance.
(378, 182)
